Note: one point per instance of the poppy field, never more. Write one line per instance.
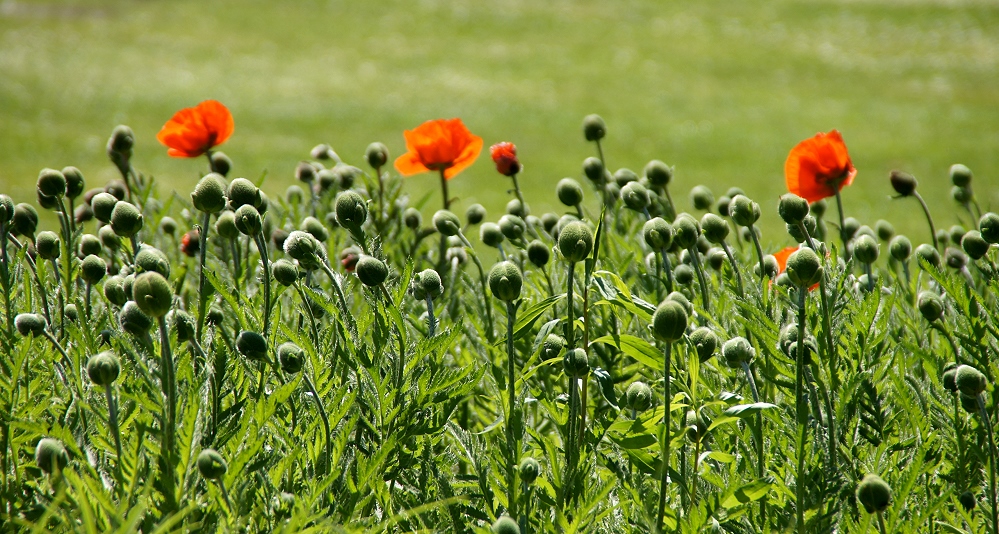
(328, 359)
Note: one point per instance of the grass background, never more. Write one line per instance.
(720, 89)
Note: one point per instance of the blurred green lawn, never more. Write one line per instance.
(720, 89)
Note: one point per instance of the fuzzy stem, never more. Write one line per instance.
(511, 468)
(431, 318)
(667, 401)
(992, 463)
(311, 388)
(351, 323)
(735, 267)
(881, 523)
(800, 413)
(202, 251)
(5, 274)
(570, 313)
(265, 259)
(701, 280)
(842, 234)
(312, 316)
(482, 282)
(668, 267)
(759, 249)
(929, 219)
(113, 423)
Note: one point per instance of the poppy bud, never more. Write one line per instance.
(314, 227)
(974, 245)
(305, 172)
(225, 226)
(117, 189)
(114, 290)
(25, 220)
(505, 157)
(133, 320)
(669, 321)
(242, 192)
(701, 197)
(108, 238)
(412, 218)
(636, 196)
(351, 210)
(294, 194)
(960, 175)
(705, 341)
(72, 314)
(967, 500)
(513, 227)
(291, 357)
(209, 195)
(89, 244)
(770, 267)
(988, 225)
(371, 270)
(792, 209)
(506, 281)
(30, 324)
(126, 220)
(152, 293)
(183, 324)
(697, 425)
(248, 220)
(903, 183)
(51, 456)
(252, 345)
(48, 245)
(722, 206)
(865, 249)
(658, 173)
(285, 272)
(376, 155)
(970, 381)
(211, 465)
(220, 163)
(684, 274)
(928, 254)
(950, 377)
(538, 253)
(168, 226)
(46, 202)
(6, 209)
(744, 211)
(884, 229)
(686, 230)
(575, 241)
(594, 170)
(428, 284)
(594, 128)
(552, 346)
(715, 228)
(658, 233)
(961, 195)
(74, 181)
(569, 192)
(529, 470)
(930, 305)
(93, 269)
(491, 234)
(83, 213)
(104, 204)
(447, 223)
(327, 180)
(549, 220)
(575, 363)
(103, 368)
(638, 396)
(152, 259)
(127, 283)
(474, 215)
(505, 525)
(121, 141)
(51, 183)
(874, 494)
(955, 258)
(956, 234)
(190, 243)
(804, 267)
(323, 152)
(737, 351)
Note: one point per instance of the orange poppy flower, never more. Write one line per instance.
(439, 145)
(193, 131)
(782, 255)
(819, 167)
(505, 157)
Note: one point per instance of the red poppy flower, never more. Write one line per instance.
(505, 156)
(190, 243)
(782, 255)
(819, 167)
(439, 145)
(193, 131)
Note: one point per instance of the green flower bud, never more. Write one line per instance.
(505, 524)
(638, 396)
(960, 175)
(957, 234)
(151, 259)
(792, 209)
(346, 175)
(722, 206)
(371, 270)
(127, 282)
(121, 141)
(715, 228)
(902, 182)
(955, 258)
(72, 314)
(30, 324)
(552, 346)
(506, 281)
(974, 245)
(697, 425)
(529, 470)
(804, 267)
(327, 180)
(209, 195)
(549, 220)
(103, 368)
(220, 163)
(51, 456)
(475, 214)
(538, 253)
(491, 234)
(684, 274)
(865, 249)
(516, 208)
(294, 194)
(427, 283)
(126, 220)
(291, 357)
(168, 226)
(183, 324)
(701, 197)
(412, 218)
(770, 266)
(669, 321)
(104, 204)
(575, 241)
(252, 345)
(75, 183)
(305, 248)
(705, 342)
(594, 170)
(226, 225)
(152, 293)
(569, 192)
(114, 290)
(961, 195)
(248, 220)
(351, 210)
(575, 363)
(108, 238)
(513, 227)
(51, 183)
(284, 271)
(594, 128)
(623, 177)
(211, 465)
(988, 225)
(6, 209)
(133, 320)
(658, 173)
(48, 245)
(314, 227)
(950, 377)
(93, 269)
(686, 230)
(242, 192)
(25, 220)
(930, 305)
(967, 500)
(884, 229)
(447, 223)
(874, 494)
(928, 254)
(376, 155)
(970, 381)
(636, 196)
(658, 233)
(737, 351)
(46, 202)
(305, 172)
(744, 211)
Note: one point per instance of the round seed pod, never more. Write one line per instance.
(538, 253)
(225, 226)
(569, 192)
(636, 196)
(248, 220)
(697, 426)
(220, 163)
(594, 170)
(209, 195)
(51, 456)
(705, 342)
(900, 248)
(792, 209)
(722, 206)
(6, 209)
(682, 300)
(575, 241)
(285, 272)
(575, 363)
(242, 192)
(928, 254)
(371, 270)
(152, 259)
(529, 470)
(701, 197)
(517, 208)
(658, 233)
(955, 258)
(475, 214)
(658, 173)
(974, 245)
(669, 321)
(51, 183)
(447, 223)
(351, 210)
(873, 492)
(48, 245)
(72, 313)
(594, 127)
(183, 324)
(75, 183)
(970, 381)
(168, 226)
(133, 320)
(427, 283)
(623, 177)
(412, 218)
(804, 267)
(961, 195)
(737, 351)
(744, 211)
(114, 290)
(103, 368)
(252, 345)
(93, 269)
(211, 465)
(714, 227)
(513, 227)
(988, 225)
(505, 524)
(302, 246)
(949, 378)
(865, 249)
(684, 274)
(152, 293)
(506, 281)
(686, 230)
(25, 220)
(30, 324)
(491, 235)
(291, 357)
(638, 396)
(770, 266)
(960, 175)
(126, 220)
(314, 227)
(376, 155)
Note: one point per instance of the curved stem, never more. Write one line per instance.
(5, 274)
(348, 318)
(265, 259)
(759, 249)
(929, 219)
(202, 251)
(665, 445)
(702, 281)
(327, 455)
(735, 267)
(482, 282)
(668, 267)
(312, 316)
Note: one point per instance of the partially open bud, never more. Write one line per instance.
(291, 357)
(93, 269)
(865, 249)
(491, 235)
(970, 381)
(594, 128)
(575, 241)
(903, 183)
(51, 456)
(569, 192)
(447, 223)
(744, 211)
(804, 267)
(25, 220)
(575, 363)
(874, 494)
(51, 183)
(658, 233)
(371, 270)
(529, 470)
(988, 225)
(351, 210)
(705, 342)
(242, 192)
(126, 220)
(151, 259)
(30, 324)
(153, 294)
(738, 351)
(715, 228)
(669, 321)
(538, 253)
(505, 525)
(252, 345)
(133, 320)
(506, 281)
(48, 245)
(686, 230)
(658, 173)
(285, 272)
(638, 396)
(792, 208)
(211, 465)
(701, 197)
(103, 368)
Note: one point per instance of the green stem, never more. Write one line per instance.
(800, 413)
(842, 233)
(987, 422)
(668, 267)
(5, 273)
(202, 301)
(113, 423)
(511, 468)
(665, 445)
(960, 442)
(348, 318)
(735, 267)
(482, 282)
(881, 523)
(929, 219)
(312, 316)
(169, 418)
(327, 455)
(759, 249)
(695, 257)
(570, 313)
(262, 250)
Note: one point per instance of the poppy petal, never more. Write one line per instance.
(466, 158)
(409, 164)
